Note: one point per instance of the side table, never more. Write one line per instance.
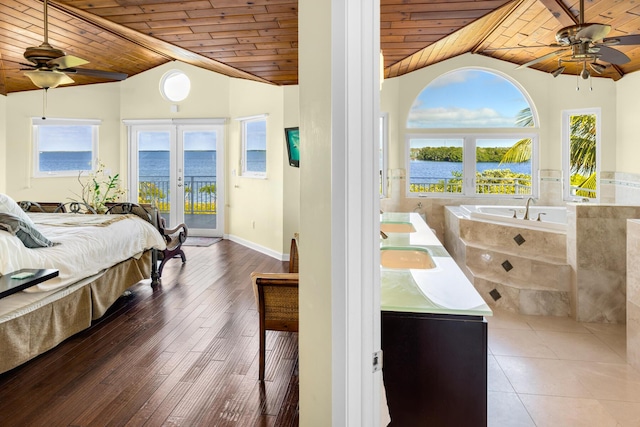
(9, 286)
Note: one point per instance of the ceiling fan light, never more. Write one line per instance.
(598, 68)
(557, 72)
(48, 79)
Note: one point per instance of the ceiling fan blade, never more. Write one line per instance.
(622, 40)
(97, 73)
(542, 58)
(612, 56)
(67, 61)
(593, 32)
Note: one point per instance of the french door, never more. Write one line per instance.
(178, 165)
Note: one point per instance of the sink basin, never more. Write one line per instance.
(397, 227)
(404, 258)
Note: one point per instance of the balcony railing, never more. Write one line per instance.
(517, 186)
(199, 198)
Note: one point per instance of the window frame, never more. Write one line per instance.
(566, 146)
(37, 123)
(469, 163)
(243, 136)
(164, 85)
(470, 135)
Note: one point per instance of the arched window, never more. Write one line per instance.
(473, 132)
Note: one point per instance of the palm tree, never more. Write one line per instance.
(582, 159)
(520, 152)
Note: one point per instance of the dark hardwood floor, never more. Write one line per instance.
(185, 353)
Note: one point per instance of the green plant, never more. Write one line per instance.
(98, 189)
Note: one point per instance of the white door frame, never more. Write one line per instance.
(355, 202)
(176, 127)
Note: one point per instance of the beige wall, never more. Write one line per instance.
(628, 137)
(255, 205)
(314, 22)
(291, 176)
(3, 144)
(99, 101)
(550, 96)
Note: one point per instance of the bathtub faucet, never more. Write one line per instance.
(526, 209)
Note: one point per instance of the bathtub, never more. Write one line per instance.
(551, 217)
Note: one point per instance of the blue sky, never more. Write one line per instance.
(467, 99)
(65, 138)
(193, 141)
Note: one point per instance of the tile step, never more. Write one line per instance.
(556, 260)
(517, 284)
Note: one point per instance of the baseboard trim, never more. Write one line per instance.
(262, 249)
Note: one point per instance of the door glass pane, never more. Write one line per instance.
(200, 181)
(503, 166)
(435, 165)
(154, 162)
(582, 155)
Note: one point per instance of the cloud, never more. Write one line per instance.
(459, 76)
(458, 118)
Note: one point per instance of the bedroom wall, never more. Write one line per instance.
(255, 205)
(140, 98)
(99, 101)
(291, 202)
(3, 144)
(212, 96)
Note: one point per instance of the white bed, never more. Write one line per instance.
(98, 257)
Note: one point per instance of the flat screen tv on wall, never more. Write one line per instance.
(292, 136)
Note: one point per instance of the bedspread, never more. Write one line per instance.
(86, 245)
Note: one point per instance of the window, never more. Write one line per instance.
(254, 146)
(383, 155)
(64, 147)
(581, 154)
(175, 86)
(471, 132)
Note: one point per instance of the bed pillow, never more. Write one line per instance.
(28, 235)
(9, 206)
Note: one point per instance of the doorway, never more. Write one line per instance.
(178, 165)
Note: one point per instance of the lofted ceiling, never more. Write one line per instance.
(258, 39)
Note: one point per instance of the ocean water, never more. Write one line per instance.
(425, 171)
(197, 164)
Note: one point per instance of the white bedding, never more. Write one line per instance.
(82, 250)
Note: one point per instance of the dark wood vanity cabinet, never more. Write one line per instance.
(435, 369)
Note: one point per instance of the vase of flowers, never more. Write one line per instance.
(98, 188)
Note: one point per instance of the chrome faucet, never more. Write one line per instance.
(526, 209)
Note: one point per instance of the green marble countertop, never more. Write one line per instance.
(440, 290)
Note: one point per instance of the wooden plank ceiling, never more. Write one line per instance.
(258, 39)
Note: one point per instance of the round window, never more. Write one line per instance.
(175, 86)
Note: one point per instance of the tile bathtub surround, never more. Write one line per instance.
(633, 292)
(555, 371)
(596, 251)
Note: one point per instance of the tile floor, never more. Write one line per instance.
(553, 371)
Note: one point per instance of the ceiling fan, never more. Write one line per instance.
(50, 67)
(585, 43)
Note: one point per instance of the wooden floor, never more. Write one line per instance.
(183, 354)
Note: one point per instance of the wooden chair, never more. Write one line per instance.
(277, 301)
